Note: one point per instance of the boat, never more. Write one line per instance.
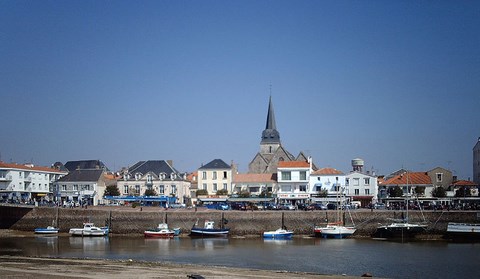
(47, 230)
(162, 231)
(401, 228)
(278, 234)
(89, 229)
(208, 230)
(463, 231)
(337, 229)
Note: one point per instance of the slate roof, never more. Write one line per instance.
(155, 166)
(85, 165)
(215, 164)
(255, 177)
(409, 178)
(82, 175)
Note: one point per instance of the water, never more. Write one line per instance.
(432, 259)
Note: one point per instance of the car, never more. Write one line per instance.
(379, 206)
(302, 206)
(331, 206)
(317, 206)
(287, 206)
(271, 206)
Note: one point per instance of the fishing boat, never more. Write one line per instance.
(162, 231)
(47, 230)
(278, 234)
(337, 229)
(89, 229)
(463, 231)
(208, 230)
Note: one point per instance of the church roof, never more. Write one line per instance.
(270, 134)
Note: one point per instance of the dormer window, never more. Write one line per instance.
(173, 176)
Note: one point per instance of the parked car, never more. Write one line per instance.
(379, 206)
(331, 206)
(271, 206)
(302, 206)
(286, 206)
(317, 206)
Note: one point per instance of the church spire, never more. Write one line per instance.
(270, 134)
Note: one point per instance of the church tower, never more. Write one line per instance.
(270, 136)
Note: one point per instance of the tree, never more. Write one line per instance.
(265, 194)
(222, 192)
(439, 192)
(150, 192)
(395, 191)
(420, 190)
(244, 194)
(323, 193)
(202, 192)
(463, 192)
(111, 190)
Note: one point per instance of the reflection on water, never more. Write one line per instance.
(325, 256)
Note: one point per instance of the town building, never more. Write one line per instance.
(215, 176)
(360, 186)
(27, 183)
(326, 185)
(476, 162)
(293, 181)
(255, 184)
(157, 177)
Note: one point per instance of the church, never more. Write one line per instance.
(271, 149)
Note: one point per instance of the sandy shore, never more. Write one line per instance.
(43, 268)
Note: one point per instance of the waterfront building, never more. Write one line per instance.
(292, 181)
(158, 177)
(25, 183)
(215, 176)
(325, 185)
(83, 187)
(271, 150)
(476, 162)
(255, 184)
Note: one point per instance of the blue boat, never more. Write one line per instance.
(208, 230)
(278, 234)
(47, 230)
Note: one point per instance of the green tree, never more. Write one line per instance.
(222, 192)
(244, 194)
(323, 193)
(265, 194)
(420, 190)
(395, 191)
(150, 192)
(111, 190)
(439, 192)
(463, 192)
(202, 192)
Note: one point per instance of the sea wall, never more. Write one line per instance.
(135, 221)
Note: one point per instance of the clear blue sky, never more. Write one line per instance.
(396, 83)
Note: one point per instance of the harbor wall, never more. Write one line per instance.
(135, 221)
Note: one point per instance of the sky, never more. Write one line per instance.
(396, 83)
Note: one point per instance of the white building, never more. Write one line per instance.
(359, 186)
(25, 183)
(292, 181)
(215, 176)
(326, 185)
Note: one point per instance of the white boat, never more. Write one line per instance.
(278, 234)
(47, 230)
(335, 230)
(89, 229)
(463, 231)
(162, 231)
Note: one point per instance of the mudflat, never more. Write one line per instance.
(43, 268)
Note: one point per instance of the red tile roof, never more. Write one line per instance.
(327, 171)
(28, 167)
(255, 177)
(409, 178)
(464, 183)
(293, 164)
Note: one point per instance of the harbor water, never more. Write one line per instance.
(354, 257)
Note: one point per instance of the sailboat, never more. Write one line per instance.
(281, 233)
(401, 228)
(337, 229)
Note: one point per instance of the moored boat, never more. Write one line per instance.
(208, 230)
(463, 231)
(47, 230)
(278, 234)
(89, 229)
(162, 231)
(399, 230)
(335, 230)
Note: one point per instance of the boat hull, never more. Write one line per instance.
(46, 230)
(334, 231)
(267, 235)
(400, 230)
(84, 232)
(201, 232)
(462, 231)
(159, 234)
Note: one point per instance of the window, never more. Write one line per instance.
(318, 188)
(161, 189)
(303, 188)
(357, 192)
(204, 186)
(303, 175)
(214, 175)
(367, 191)
(224, 175)
(174, 189)
(439, 177)
(286, 175)
(356, 181)
(215, 187)
(64, 187)
(224, 186)
(137, 189)
(318, 178)
(86, 187)
(75, 187)
(286, 188)
(367, 181)
(347, 181)
(125, 189)
(204, 175)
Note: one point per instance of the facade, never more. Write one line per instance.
(159, 176)
(83, 187)
(440, 177)
(413, 184)
(476, 162)
(27, 183)
(326, 185)
(361, 187)
(214, 176)
(292, 182)
(255, 183)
